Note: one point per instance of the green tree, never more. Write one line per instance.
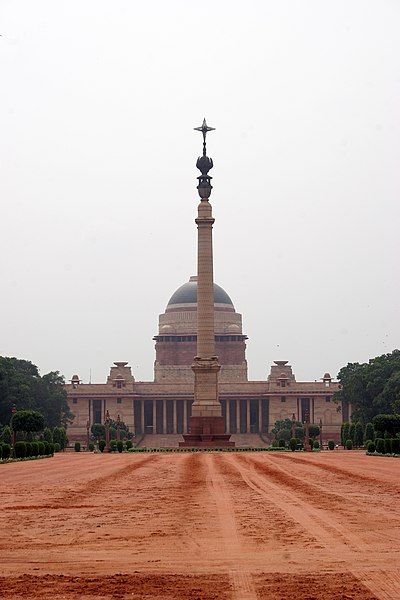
(48, 435)
(313, 431)
(352, 431)
(6, 435)
(358, 434)
(22, 386)
(27, 420)
(389, 424)
(369, 433)
(345, 433)
(60, 437)
(98, 431)
(371, 388)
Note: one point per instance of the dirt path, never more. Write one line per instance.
(200, 527)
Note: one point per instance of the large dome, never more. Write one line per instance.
(187, 294)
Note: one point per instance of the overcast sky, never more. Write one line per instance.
(98, 182)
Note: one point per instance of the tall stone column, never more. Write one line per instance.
(175, 417)
(228, 416)
(164, 409)
(207, 427)
(142, 416)
(154, 416)
(238, 416)
(185, 416)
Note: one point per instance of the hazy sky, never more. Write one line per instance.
(98, 182)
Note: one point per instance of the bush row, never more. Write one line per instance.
(384, 446)
(28, 449)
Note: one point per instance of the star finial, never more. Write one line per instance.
(204, 130)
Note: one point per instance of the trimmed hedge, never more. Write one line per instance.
(102, 445)
(371, 447)
(349, 444)
(331, 445)
(20, 449)
(380, 445)
(77, 447)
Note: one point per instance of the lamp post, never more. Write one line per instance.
(107, 432)
(118, 428)
(87, 434)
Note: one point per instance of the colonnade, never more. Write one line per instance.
(165, 416)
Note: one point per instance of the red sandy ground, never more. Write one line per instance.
(201, 526)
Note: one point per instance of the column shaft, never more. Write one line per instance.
(164, 413)
(237, 416)
(260, 421)
(185, 416)
(247, 416)
(175, 429)
(142, 416)
(154, 416)
(228, 416)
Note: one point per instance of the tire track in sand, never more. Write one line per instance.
(242, 582)
(385, 585)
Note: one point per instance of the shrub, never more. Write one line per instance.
(91, 447)
(389, 423)
(6, 435)
(47, 435)
(316, 445)
(369, 433)
(120, 446)
(6, 451)
(51, 448)
(46, 448)
(396, 446)
(34, 448)
(60, 437)
(28, 446)
(77, 447)
(349, 444)
(113, 445)
(331, 445)
(358, 435)
(41, 448)
(20, 449)
(380, 445)
(128, 444)
(388, 446)
(371, 447)
(102, 445)
(293, 444)
(282, 443)
(345, 433)
(57, 447)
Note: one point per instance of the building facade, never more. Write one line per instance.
(163, 405)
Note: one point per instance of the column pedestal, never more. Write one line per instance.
(206, 425)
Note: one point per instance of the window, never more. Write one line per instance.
(75, 400)
(328, 398)
(119, 400)
(119, 384)
(283, 383)
(283, 398)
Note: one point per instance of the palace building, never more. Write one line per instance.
(163, 406)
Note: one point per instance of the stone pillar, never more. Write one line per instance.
(133, 417)
(247, 416)
(154, 416)
(164, 414)
(175, 420)
(228, 416)
(260, 421)
(237, 416)
(142, 416)
(185, 416)
(207, 427)
(206, 366)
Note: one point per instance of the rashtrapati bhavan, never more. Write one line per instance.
(200, 389)
(163, 406)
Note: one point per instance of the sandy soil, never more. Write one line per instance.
(201, 526)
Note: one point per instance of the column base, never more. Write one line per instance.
(206, 432)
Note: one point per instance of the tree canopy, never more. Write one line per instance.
(27, 420)
(371, 388)
(22, 387)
